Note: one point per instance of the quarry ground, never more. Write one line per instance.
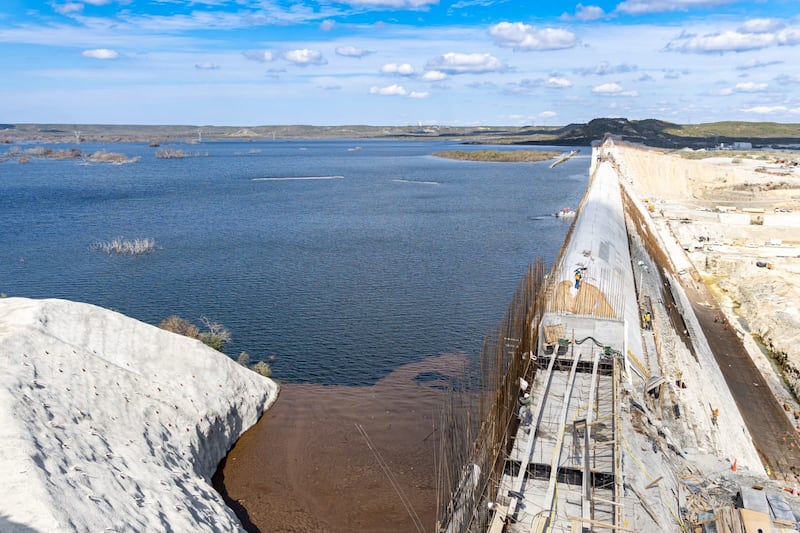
(737, 218)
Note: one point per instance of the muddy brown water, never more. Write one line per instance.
(306, 467)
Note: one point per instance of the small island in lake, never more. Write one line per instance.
(501, 156)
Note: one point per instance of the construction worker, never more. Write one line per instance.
(578, 277)
(526, 399)
(648, 320)
(714, 415)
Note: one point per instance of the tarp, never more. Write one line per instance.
(755, 500)
(781, 511)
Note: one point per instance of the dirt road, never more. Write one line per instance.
(775, 438)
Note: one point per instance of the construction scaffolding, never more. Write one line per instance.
(476, 425)
(546, 454)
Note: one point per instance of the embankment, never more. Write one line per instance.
(107, 422)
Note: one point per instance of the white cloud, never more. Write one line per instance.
(739, 40)
(612, 89)
(351, 51)
(457, 63)
(391, 90)
(100, 53)
(761, 26)
(304, 57)
(523, 86)
(520, 36)
(434, 75)
(68, 7)
(607, 88)
(789, 36)
(97, 2)
(585, 13)
(757, 63)
(558, 83)
(641, 7)
(605, 68)
(461, 4)
(262, 56)
(327, 25)
(750, 87)
(785, 79)
(728, 41)
(403, 69)
(397, 4)
(548, 114)
(743, 87)
(206, 66)
(766, 110)
(418, 94)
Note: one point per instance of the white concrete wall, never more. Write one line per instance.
(599, 242)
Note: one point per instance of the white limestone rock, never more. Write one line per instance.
(107, 422)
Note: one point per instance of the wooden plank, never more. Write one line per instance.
(646, 505)
(551, 485)
(586, 508)
(654, 482)
(516, 486)
(598, 523)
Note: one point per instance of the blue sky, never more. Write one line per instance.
(397, 62)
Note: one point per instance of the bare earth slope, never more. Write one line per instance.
(107, 422)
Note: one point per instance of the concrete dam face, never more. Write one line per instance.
(602, 405)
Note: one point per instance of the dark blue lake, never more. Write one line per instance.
(405, 256)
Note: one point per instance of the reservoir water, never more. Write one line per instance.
(396, 256)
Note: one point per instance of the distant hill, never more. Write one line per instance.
(650, 132)
(663, 134)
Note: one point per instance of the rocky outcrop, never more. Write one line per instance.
(768, 302)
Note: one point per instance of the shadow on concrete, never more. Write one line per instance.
(8, 526)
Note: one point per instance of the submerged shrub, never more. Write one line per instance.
(122, 246)
(112, 157)
(262, 368)
(170, 153)
(216, 336)
(181, 326)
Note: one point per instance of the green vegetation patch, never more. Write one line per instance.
(734, 129)
(502, 156)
